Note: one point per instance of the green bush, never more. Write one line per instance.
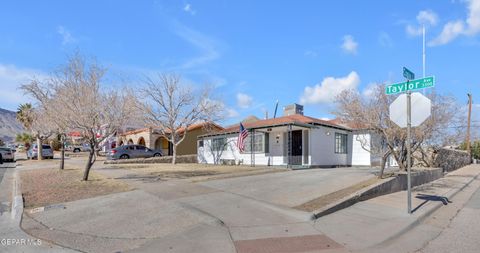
(55, 144)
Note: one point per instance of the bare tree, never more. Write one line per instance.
(173, 107)
(441, 129)
(42, 128)
(216, 146)
(372, 114)
(76, 99)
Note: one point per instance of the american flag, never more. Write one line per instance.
(242, 135)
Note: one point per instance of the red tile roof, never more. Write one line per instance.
(190, 128)
(349, 124)
(291, 119)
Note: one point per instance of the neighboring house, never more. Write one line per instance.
(152, 138)
(291, 140)
(75, 137)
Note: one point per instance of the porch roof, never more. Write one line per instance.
(294, 120)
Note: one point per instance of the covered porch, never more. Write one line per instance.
(286, 144)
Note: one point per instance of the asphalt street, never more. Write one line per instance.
(462, 233)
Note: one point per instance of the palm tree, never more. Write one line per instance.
(25, 115)
(24, 138)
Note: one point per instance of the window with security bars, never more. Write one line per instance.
(260, 143)
(340, 143)
(219, 144)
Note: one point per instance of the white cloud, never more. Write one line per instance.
(454, 29)
(244, 101)
(231, 113)
(427, 17)
(310, 53)
(330, 87)
(413, 31)
(67, 37)
(11, 77)
(450, 31)
(349, 44)
(473, 19)
(207, 46)
(424, 18)
(227, 112)
(369, 91)
(385, 40)
(188, 8)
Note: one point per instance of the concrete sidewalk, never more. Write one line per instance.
(12, 237)
(378, 220)
(219, 216)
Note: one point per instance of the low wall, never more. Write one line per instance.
(387, 186)
(451, 159)
(163, 159)
(418, 176)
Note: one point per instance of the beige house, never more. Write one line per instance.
(152, 138)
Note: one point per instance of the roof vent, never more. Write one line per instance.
(292, 109)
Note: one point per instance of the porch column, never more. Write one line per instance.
(289, 145)
(252, 154)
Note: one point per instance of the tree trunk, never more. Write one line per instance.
(39, 149)
(91, 153)
(400, 163)
(382, 165)
(62, 157)
(174, 154)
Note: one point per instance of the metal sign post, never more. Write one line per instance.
(409, 75)
(409, 165)
(397, 114)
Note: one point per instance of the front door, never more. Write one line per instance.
(296, 158)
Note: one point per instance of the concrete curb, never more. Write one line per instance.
(431, 209)
(386, 186)
(17, 199)
(349, 200)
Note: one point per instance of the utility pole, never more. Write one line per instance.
(423, 54)
(469, 149)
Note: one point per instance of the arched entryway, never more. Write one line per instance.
(141, 141)
(121, 143)
(163, 145)
(130, 142)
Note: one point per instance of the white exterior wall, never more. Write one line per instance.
(360, 156)
(275, 157)
(322, 149)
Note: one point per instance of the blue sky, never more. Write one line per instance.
(254, 52)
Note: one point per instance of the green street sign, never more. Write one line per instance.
(422, 83)
(408, 74)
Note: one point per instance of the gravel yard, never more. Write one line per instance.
(42, 187)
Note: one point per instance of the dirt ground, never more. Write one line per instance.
(325, 200)
(196, 172)
(49, 186)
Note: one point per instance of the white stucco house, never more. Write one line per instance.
(293, 140)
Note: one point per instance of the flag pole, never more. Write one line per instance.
(423, 54)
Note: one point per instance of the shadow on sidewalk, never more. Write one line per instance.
(427, 198)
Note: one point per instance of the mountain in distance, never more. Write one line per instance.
(9, 125)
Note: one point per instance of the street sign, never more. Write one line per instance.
(421, 83)
(401, 113)
(408, 74)
(421, 108)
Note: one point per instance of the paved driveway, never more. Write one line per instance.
(292, 188)
(226, 215)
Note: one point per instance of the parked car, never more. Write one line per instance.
(133, 151)
(47, 152)
(80, 148)
(7, 154)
